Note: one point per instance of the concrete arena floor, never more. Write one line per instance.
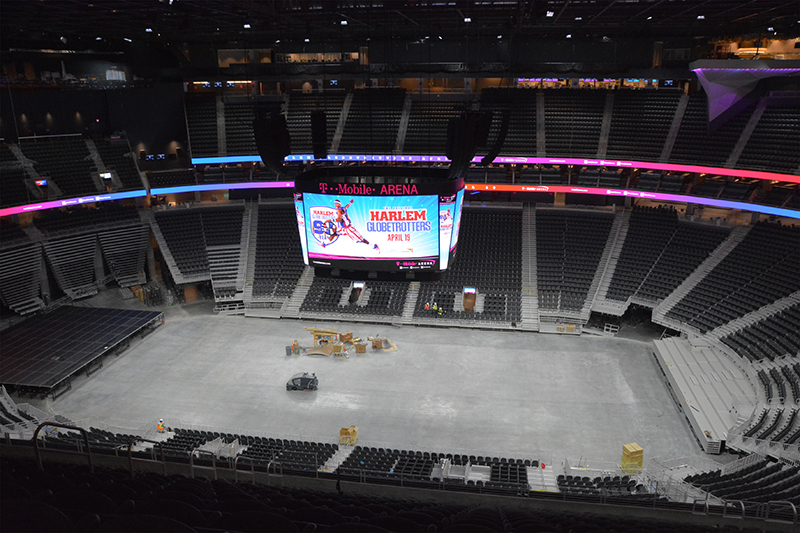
(446, 390)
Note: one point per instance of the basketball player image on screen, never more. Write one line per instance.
(343, 226)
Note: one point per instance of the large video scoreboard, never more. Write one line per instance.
(378, 218)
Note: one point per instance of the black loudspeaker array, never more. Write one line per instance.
(272, 140)
(465, 134)
(501, 138)
(319, 134)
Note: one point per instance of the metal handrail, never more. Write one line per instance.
(782, 502)
(85, 434)
(236, 467)
(277, 465)
(705, 507)
(734, 503)
(141, 439)
(203, 452)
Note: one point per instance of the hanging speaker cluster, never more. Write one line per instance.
(465, 134)
(272, 140)
(319, 134)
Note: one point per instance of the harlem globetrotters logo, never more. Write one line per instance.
(445, 219)
(323, 225)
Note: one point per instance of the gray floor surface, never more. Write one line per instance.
(498, 393)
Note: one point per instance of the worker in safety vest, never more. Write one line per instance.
(160, 426)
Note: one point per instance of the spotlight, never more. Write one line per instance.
(63, 39)
(307, 40)
(578, 18)
(649, 18)
(126, 39)
(148, 30)
(247, 26)
(770, 29)
(344, 23)
(701, 17)
(499, 36)
(467, 19)
(551, 13)
(569, 36)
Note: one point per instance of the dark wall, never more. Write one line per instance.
(151, 115)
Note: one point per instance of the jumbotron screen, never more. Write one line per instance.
(378, 223)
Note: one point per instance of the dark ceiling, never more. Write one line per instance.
(99, 23)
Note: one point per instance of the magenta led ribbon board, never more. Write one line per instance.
(750, 174)
(470, 187)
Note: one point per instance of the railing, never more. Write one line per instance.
(790, 505)
(83, 432)
(163, 462)
(192, 466)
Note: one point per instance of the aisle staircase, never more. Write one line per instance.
(754, 316)
(411, 302)
(530, 291)
(291, 309)
(252, 239)
(619, 230)
(722, 251)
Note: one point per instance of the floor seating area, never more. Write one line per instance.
(760, 482)
(640, 122)
(427, 122)
(279, 260)
(572, 121)
(489, 259)
(770, 338)
(65, 160)
(292, 455)
(201, 118)
(569, 244)
(373, 121)
(602, 486)
(760, 270)
(298, 117)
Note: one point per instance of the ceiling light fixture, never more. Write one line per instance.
(551, 13)
(247, 26)
(701, 17)
(126, 39)
(467, 19)
(307, 40)
(148, 30)
(344, 23)
(569, 36)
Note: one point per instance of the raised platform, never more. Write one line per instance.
(43, 353)
(709, 388)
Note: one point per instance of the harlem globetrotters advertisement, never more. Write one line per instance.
(403, 230)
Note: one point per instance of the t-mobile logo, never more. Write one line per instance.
(323, 187)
